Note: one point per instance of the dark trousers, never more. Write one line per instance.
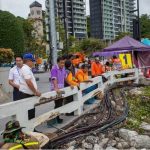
(16, 94)
(24, 95)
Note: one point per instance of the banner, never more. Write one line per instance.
(126, 61)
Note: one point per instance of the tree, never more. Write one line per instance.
(145, 26)
(11, 33)
(88, 26)
(121, 35)
(88, 46)
(6, 55)
(32, 43)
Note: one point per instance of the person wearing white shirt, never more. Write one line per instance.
(28, 86)
(14, 77)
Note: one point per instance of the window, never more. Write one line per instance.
(38, 12)
(32, 12)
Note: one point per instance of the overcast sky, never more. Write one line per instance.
(21, 7)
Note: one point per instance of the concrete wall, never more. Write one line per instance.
(4, 72)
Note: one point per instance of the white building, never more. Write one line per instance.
(36, 16)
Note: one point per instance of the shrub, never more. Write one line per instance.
(6, 55)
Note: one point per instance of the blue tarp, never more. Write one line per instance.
(146, 41)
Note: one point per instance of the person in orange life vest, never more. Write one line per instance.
(82, 74)
(96, 68)
(76, 60)
(70, 77)
(70, 81)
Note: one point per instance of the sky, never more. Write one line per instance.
(21, 7)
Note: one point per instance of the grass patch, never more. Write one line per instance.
(139, 109)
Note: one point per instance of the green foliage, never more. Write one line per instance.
(32, 44)
(11, 32)
(139, 109)
(121, 35)
(6, 55)
(88, 45)
(145, 26)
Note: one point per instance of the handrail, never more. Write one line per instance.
(22, 109)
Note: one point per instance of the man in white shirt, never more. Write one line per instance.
(14, 77)
(28, 86)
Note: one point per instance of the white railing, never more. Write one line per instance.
(20, 109)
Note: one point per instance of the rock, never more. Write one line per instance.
(132, 143)
(125, 145)
(111, 148)
(92, 139)
(110, 135)
(102, 136)
(119, 146)
(127, 135)
(133, 148)
(136, 91)
(87, 145)
(113, 104)
(97, 147)
(145, 126)
(142, 141)
(71, 148)
(144, 81)
(117, 139)
(104, 142)
(118, 108)
(122, 140)
(112, 143)
(72, 143)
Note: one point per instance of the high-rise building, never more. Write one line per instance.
(36, 15)
(109, 17)
(73, 12)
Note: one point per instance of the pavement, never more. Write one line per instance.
(43, 83)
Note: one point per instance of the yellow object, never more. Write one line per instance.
(39, 61)
(126, 61)
(26, 144)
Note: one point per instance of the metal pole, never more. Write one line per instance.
(65, 24)
(53, 41)
(138, 15)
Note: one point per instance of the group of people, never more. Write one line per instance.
(67, 72)
(21, 78)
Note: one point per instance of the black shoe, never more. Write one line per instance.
(59, 120)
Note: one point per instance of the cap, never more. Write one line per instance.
(29, 56)
(12, 126)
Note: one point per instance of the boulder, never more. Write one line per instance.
(145, 126)
(111, 148)
(112, 143)
(92, 139)
(87, 145)
(136, 91)
(119, 146)
(104, 142)
(142, 141)
(125, 145)
(127, 135)
(97, 147)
